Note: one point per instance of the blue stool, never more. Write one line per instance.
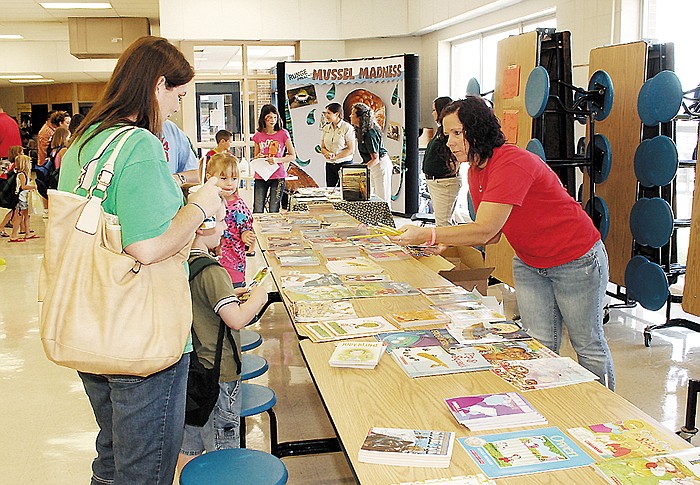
(250, 340)
(253, 366)
(234, 467)
(258, 399)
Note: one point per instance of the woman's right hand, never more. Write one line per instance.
(208, 196)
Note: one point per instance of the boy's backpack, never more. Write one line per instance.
(203, 383)
(9, 196)
(47, 174)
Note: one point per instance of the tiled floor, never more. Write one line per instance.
(48, 429)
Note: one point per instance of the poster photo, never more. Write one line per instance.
(378, 82)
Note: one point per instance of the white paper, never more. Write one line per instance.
(262, 168)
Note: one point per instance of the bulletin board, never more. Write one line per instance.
(389, 85)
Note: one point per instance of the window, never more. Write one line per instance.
(232, 83)
(475, 55)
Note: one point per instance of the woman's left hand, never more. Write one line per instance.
(412, 235)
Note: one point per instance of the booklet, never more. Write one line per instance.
(346, 328)
(491, 411)
(680, 467)
(632, 437)
(515, 350)
(524, 452)
(318, 311)
(353, 266)
(418, 318)
(433, 361)
(314, 293)
(407, 447)
(263, 168)
(483, 332)
(297, 278)
(358, 355)
(418, 338)
(381, 288)
(528, 375)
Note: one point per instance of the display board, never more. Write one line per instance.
(389, 85)
(626, 66)
(517, 53)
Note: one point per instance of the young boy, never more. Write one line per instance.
(223, 143)
(213, 300)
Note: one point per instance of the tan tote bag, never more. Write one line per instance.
(101, 311)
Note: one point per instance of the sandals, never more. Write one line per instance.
(31, 236)
(16, 240)
(4, 234)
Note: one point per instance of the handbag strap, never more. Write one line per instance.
(90, 215)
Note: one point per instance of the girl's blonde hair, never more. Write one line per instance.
(23, 163)
(13, 152)
(220, 163)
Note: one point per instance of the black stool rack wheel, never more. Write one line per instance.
(689, 430)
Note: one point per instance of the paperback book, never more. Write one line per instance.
(524, 452)
(297, 257)
(365, 278)
(515, 350)
(346, 328)
(442, 290)
(339, 250)
(679, 467)
(319, 311)
(315, 293)
(353, 266)
(478, 479)
(380, 288)
(296, 278)
(491, 411)
(407, 447)
(633, 437)
(464, 317)
(357, 355)
(418, 318)
(383, 256)
(485, 332)
(434, 361)
(528, 375)
(280, 242)
(418, 338)
(447, 299)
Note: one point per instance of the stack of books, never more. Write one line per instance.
(492, 411)
(407, 447)
(418, 318)
(328, 330)
(297, 257)
(357, 355)
(528, 375)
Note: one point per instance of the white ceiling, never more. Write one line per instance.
(31, 11)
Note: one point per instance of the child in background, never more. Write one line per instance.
(239, 220)
(12, 154)
(23, 165)
(215, 300)
(223, 143)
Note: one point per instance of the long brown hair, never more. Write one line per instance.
(60, 137)
(131, 91)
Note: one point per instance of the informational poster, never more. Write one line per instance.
(378, 82)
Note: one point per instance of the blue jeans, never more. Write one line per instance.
(571, 293)
(141, 422)
(222, 431)
(261, 187)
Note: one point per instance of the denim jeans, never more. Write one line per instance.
(572, 294)
(141, 422)
(222, 431)
(261, 187)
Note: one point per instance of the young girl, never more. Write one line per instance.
(239, 220)
(23, 166)
(272, 142)
(12, 154)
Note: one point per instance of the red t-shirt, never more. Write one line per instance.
(546, 227)
(9, 134)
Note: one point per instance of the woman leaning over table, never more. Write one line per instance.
(441, 170)
(337, 143)
(372, 151)
(141, 419)
(561, 266)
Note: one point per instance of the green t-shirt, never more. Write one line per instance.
(212, 290)
(143, 194)
(371, 143)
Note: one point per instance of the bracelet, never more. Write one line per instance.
(433, 236)
(182, 178)
(200, 208)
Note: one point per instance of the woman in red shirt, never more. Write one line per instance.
(561, 266)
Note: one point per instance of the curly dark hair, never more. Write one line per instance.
(481, 127)
(365, 116)
(440, 145)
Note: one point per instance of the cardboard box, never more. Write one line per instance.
(469, 270)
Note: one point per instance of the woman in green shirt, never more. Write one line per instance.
(372, 151)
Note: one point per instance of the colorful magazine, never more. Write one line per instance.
(314, 293)
(490, 411)
(464, 317)
(483, 332)
(381, 288)
(353, 266)
(633, 437)
(347, 328)
(515, 350)
(281, 242)
(434, 360)
(679, 467)
(418, 338)
(296, 278)
(319, 311)
(365, 278)
(297, 257)
(418, 318)
(407, 447)
(528, 375)
(524, 452)
(357, 355)
(443, 290)
(453, 298)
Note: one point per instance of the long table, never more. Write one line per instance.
(358, 399)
